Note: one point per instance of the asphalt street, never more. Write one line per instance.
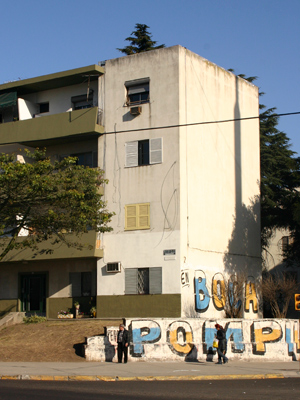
(210, 389)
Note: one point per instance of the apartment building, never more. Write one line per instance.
(175, 136)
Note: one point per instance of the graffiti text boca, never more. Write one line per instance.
(218, 295)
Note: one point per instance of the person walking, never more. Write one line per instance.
(222, 346)
(122, 340)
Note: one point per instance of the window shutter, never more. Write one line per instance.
(75, 284)
(156, 151)
(155, 277)
(131, 217)
(144, 216)
(131, 151)
(131, 281)
(138, 89)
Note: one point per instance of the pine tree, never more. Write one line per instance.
(140, 41)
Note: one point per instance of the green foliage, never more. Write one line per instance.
(34, 319)
(279, 177)
(47, 201)
(140, 41)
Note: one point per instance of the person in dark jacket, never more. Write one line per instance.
(222, 347)
(122, 340)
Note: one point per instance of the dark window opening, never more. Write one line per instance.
(81, 284)
(44, 108)
(138, 91)
(82, 101)
(86, 283)
(138, 98)
(143, 281)
(85, 159)
(143, 152)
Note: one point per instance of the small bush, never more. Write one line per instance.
(34, 319)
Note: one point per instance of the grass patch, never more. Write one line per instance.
(34, 319)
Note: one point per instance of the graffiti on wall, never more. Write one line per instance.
(193, 338)
(217, 294)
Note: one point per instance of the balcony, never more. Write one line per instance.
(52, 129)
(90, 248)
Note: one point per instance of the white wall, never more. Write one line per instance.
(157, 184)
(220, 228)
(207, 182)
(60, 99)
(192, 339)
(26, 109)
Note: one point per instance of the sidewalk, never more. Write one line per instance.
(148, 370)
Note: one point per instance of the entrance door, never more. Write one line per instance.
(33, 293)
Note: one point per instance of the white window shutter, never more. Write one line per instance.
(156, 151)
(131, 152)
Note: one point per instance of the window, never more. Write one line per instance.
(137, 91)
(137, 216)
(82, 284)
(44, 108)
(82, 101)
(143, 280)
(143, 152)
(285, 243)
(88, 159)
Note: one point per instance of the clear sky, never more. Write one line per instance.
(254, 37)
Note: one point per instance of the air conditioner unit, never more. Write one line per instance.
(135, 110)
(113, 267)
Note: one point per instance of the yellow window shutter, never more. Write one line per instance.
(137, 216)
(144, 216)
(131, 216)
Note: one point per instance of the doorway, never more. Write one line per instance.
(33, 293)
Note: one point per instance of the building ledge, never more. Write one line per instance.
(71, 125)
(47, 251)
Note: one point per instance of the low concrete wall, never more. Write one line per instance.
(7, 306)
(12, 319)
(191, 339)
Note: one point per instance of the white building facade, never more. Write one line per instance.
(199, 186)
(178, 139)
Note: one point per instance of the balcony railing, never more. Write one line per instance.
(90, 246)
(36, 131)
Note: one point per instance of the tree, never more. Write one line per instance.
(140, 41)
(278, 290)
(40, 201)
(279, 178)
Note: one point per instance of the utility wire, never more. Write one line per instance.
(199, 123)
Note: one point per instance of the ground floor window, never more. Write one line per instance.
(33, 292)
(82, 284)
(143, 280)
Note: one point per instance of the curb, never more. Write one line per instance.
(137, 378)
